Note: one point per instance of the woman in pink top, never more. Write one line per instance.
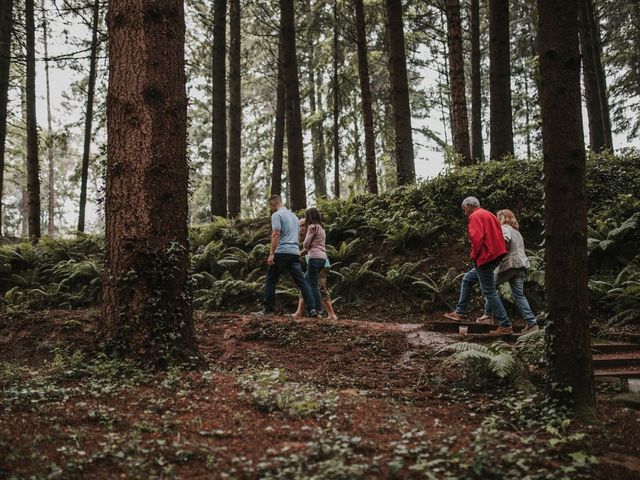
(314, 247)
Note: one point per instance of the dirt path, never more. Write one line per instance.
(279, 398)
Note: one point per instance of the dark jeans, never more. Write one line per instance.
(290, 263)
(314, 267)
(515, 277)
(484, 275)
(487, 280)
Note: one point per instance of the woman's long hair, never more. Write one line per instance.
(312, 217)
(507, 217)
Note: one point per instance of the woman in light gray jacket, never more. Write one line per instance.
(512, 269)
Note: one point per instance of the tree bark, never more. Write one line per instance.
(365, 90)
(278, 136)
(406, 170)
(319, 160)
(460, 119)
(293, 118)
(477, 146)
(146, 309)
(88, 121)
(219, 118)
(565, 202)
(336, 104)
(33, 165)
(501, 121)
(595, 87)
(52, 184)
(6, 24)
(235, 111)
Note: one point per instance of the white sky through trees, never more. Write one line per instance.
(429, 156)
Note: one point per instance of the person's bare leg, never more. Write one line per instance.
(328, 306)
(300, 310)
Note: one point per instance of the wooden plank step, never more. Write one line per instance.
(631, 372)
(615, 347)
(613, 360)
(453, 327)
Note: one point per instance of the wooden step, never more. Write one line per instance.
(630, 372)
(453, 327)
(615, 347)
(615, 360)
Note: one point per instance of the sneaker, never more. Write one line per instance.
(455, 316)
(486, 319)
(314, 314)
(262, 313)
(531, 329)
(502, 331)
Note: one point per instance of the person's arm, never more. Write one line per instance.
(506, 233)
(275, 238)
(311, 232)
(476, 236)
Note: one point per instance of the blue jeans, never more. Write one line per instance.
(290, 263)
(515, 277)
(484, 275)
(314, 267)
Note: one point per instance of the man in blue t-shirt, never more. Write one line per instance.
(284, 255)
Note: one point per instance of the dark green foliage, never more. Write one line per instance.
(53, 274)
(409, 241)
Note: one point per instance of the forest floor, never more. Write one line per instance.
(281, 398)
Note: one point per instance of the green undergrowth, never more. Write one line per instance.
(408, 244)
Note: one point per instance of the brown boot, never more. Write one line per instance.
(456, 317)
(502, 331)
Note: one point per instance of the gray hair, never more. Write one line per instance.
(471, 202)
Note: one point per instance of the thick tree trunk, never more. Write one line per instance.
(406, 170)
(33, 165)
(565, 202)
(6, 24)
(460, 119)
(295, 146)
(219, 105)
(477, 146)
(88, 121)
(235, 111)
(51, 210)
(319, 160)
(365, 90)
(500, 80)
(278, 136)
(335, 85)
(146, 309)
(24, 210)
(594, 79)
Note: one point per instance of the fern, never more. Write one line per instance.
(434, 288)
(401, 276)
(500, 360)
(352, 279)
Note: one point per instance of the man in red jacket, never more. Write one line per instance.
(487, 249)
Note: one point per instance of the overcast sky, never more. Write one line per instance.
(429, 159)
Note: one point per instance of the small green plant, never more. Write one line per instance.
(399, 277)
(620, 295)
(435, 288)
(485, 363)
(212, 293)
(354, 278)
(611, 245)
(271, 391)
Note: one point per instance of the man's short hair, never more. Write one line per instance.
(471, 202)
(275, 199)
